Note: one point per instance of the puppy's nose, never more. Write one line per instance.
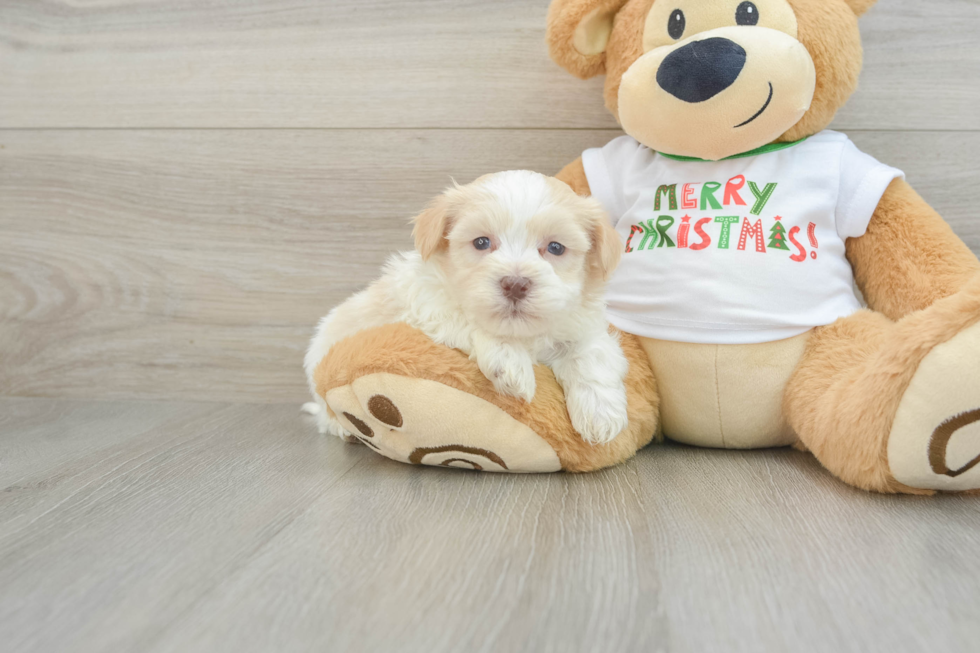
(701, 69)
(515, 288)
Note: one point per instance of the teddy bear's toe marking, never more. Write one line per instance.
(359, 439)
(939, 444)
(418, 455)
(934, 443)
(452, 462)
(359, 425)
(385, 410)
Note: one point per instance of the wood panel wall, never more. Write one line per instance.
(187, 185)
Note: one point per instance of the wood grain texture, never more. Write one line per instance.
(194, 264)
(388, 63)
(104, 548)
(195, 527)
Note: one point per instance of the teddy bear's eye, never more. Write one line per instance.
(747, 14)
(677, 23)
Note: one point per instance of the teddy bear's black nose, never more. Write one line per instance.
(701, 69)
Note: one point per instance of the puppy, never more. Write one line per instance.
(511, 270)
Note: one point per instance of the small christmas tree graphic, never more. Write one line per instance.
(777, 235)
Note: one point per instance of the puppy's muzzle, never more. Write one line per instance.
(515, 288)
(702, 69)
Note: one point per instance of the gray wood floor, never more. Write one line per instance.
(138, 526)
(187, 185)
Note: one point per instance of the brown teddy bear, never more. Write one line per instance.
(746, 225)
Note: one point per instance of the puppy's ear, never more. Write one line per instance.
(432, 225)
(607, 246)
(860, 6)
(578, 32)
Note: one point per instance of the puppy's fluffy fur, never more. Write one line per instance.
(474, 244)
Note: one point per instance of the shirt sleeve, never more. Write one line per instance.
(863, 181)
(605, 170)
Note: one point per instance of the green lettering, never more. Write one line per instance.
(670, 192)
(649, 235)
(708, 195)
(664, 223)
(761, 197)
(726, 222)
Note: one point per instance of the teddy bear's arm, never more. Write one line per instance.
(909, 257)
(574, 175)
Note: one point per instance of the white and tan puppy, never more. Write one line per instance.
(511, 270)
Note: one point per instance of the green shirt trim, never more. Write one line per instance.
(765, 149)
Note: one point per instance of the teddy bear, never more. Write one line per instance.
(749, 229)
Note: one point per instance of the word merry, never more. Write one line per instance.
(731, 196)
(653, 233)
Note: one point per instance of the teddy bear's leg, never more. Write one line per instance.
(421, 403)
(895, 406)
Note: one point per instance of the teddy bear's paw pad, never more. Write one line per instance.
(935, 438)
(424, 422)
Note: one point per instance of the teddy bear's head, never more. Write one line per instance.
(713, 78)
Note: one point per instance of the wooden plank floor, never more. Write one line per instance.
(138, 526)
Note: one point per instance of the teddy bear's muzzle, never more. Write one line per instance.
(701, 70)
(718, 93)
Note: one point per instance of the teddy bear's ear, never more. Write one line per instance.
(860, 6)
(578, 32)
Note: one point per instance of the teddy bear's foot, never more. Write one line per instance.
(935, 439)
(895, 406)
(417, 402)
(419, 421)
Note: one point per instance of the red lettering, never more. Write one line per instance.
(636, 229)
(688, 200)
(682, 231)
(731, 191)
(801, 255)
(750, 230)
(699, 230)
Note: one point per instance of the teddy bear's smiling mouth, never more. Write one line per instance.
(760, 112)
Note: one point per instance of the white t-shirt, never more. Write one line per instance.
(745, 250)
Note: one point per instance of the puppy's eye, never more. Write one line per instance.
(482, 243)
(747, 14)
(676, 23)
(556, 248)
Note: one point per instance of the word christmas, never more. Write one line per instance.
(649, 234)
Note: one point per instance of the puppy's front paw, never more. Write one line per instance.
(515, 380)
(598, 413)
(508, 367)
